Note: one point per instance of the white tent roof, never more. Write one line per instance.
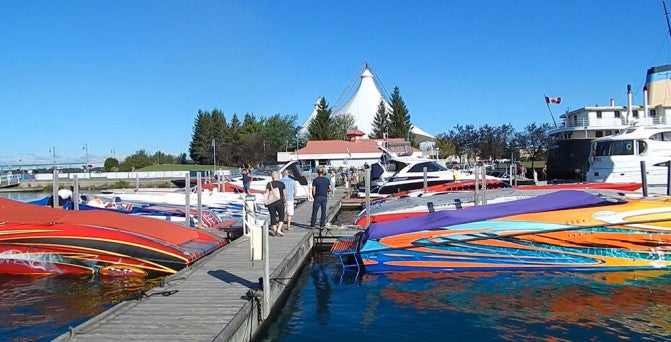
(362, 105)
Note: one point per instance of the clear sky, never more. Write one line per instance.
(120, 76)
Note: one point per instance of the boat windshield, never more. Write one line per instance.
(614, 148)
(430, 167)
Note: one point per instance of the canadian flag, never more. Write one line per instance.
(552, 99)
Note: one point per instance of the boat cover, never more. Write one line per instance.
(564, 199)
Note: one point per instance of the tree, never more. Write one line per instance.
(399, 119)
(380, 121)
(463, 139)
(534, 140)
(445, 146)
(207, 127)
(342, 124)
(135, 161)
(321, 127)
(111, 164)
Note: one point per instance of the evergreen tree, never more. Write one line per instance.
(321, 127)
(380, 122)
(207, 126)
(399, 120)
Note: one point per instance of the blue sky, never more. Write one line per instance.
(128, 75)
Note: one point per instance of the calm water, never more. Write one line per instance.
(329, 303)
(508, 306)
(42, 308)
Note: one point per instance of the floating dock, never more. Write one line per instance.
(219, 298)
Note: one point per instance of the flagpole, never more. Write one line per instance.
(547, 103)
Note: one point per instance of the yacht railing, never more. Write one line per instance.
(9, 178)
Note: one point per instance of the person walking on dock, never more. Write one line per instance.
(290, 188)
(276, 209)
(320, 191)
(246, 179)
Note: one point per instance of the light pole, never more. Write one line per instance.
(86, 148)
(297, 148)
(52, 150)
(264, 150)
(113, 153)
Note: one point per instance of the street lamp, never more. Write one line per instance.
(113, 151)
(86, 148)
(297, 148)
(52, 150)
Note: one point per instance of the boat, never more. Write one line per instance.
(618, 158)
(36, 240)
(564, 230)
(259, 179)
(411, 206)
(568, 152)
(9, 180)
(401, 171)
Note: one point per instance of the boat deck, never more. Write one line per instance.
(218, 298)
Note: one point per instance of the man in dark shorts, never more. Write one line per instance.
(320, 191)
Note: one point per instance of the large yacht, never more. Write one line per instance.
(569, 150)
(618, 158)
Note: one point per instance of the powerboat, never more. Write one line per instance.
(37, 240)
(563, 230)
(261, 177)
(401, 171)
(618, 158)
(569, 150)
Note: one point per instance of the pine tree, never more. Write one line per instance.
(321, 127)
(399, 120)
(380, 122)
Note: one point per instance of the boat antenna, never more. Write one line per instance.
(666, 14)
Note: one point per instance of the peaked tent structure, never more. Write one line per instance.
(363, 103)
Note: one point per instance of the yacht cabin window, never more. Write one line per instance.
(635, 113)
(430, 167)
(599, 115)
(661, 136)
(615, 148)
(617, 113)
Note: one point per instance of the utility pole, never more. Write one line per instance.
(214, 156)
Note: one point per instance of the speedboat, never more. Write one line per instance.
(39, 240)
(400, 172)
(618, 158)
(563, 230)
(568, 153)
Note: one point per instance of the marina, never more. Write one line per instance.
(217, 298)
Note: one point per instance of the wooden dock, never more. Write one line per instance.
(219, 298)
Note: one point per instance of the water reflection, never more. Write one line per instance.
(504, 306)
(542, 305)
(34, 308)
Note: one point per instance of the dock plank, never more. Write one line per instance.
(210, 301)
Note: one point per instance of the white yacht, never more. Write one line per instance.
(569, 150)
(618, 158)
(401, 171)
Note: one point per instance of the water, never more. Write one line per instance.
(329, 303)
(42, 308)
(504, 306)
